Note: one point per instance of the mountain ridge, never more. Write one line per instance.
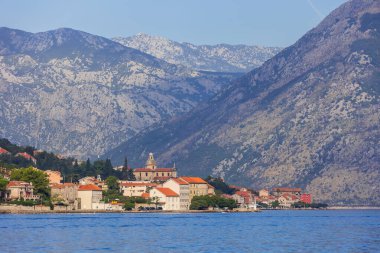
(221, 57)
(307, 117)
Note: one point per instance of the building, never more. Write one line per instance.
(306, 198)
(68, 192)
(263, 193)
(27, 156)
(182, 188)
(135, 189)
(243, 197)
(197, 186)
(55, 177)
(17, 190)
(283, 190)
(88, 196)
(286, 200)
(165, 198)
(152, 173)
(4, 151)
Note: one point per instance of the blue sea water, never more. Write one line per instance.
(268, 231)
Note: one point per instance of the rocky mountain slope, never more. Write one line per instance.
(79, 94)
(309, 117)
(219, 58)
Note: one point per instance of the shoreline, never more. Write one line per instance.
(333, 208)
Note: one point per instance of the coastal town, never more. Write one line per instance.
(149, 188)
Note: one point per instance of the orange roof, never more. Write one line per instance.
(180, 181)
(145, 195)
(194, 180)
(26, 156)
(142, 170)
(163, 170)
(167, 192)
(17, 183)
(286, 189)
(89, 187)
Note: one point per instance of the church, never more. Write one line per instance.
(152, 173)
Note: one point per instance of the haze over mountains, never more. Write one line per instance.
(219, 58)
(308, 117)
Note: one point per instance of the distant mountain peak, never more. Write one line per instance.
(217, 58)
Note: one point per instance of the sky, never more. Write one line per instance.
(250, 22)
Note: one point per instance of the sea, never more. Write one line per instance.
(267, 231)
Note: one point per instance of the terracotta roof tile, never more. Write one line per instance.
(180, 181)
(194, 180)
(89, 187)
(3, 151)
(167, 192)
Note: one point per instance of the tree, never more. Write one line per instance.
(3, 186)
(113, 184)
(128, 206)
(38, 178)
(275, 204)
(131, 176)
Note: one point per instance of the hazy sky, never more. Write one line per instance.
(253, 22)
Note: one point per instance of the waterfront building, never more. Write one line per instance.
(243, 197)
(17, 190)
(88, 196)
(68, 192)
(197, 186)
(165, 198)
(306, 198)
(286, 200)
(182, 188)
(282, 190)
(152, 173)
(263, 193)
(135, 189)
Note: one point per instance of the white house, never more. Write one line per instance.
(135, 189)
(88, 196)
(182, 188)
(165, 198)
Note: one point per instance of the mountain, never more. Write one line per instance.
(308, 117)
(219, 58)
(79, 94)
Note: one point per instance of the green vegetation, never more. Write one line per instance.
(70, 168)
(204, 202)
(39, 180)
(220, 186)
(3, 186)
(275, 204)
(312, 205)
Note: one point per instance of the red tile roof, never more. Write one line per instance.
(180, 181)
(286, 189)
(194, 180)
(89, 187)
(26, 156)
(17, 183)
(145, 195)
(143, 170)
(163, 170)
(3, 151)
(167, 192)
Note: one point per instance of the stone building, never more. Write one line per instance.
(152, 173)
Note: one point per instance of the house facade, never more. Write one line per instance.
(182, 188)
(88, 196)
(135, 189)
(68, 192)
(165, 198)
(17, 190)
(197, 186)
(55, 177)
